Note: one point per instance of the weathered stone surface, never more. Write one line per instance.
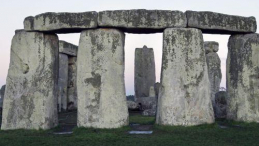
(61, 22)
(67, 48)
(72, 88)
(31, 88)
(2, 91)
(132, 105)
(62, 82)
(211, 46)
(147, 102)
(220, 109)
(141, 20)
(184, 97)
(149, 112)
(157, 86)
(211, 22)
(152, 91)
(242, 78)
(214, 70)
(100, 79)
(145, 76)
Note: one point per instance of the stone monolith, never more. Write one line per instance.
(62, 82)
(243, 78)
(100, 79)
(31, 88)
(184, 96)
(145, 76)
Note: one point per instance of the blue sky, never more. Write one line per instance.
(13, 12)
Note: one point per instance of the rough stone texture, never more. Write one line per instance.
(214, 70)
(67, 48)
(62, 82)
(145, 76)
(157, 86)
(31, 89)
(152, 91)
(184, 97)
(100, 79)
(61, 22)
(72, 88)
(2, 91)
(242, 78)
(147, 102)
(220, 109)
(211, 22)
(141, 20)
(149, 112)
(132, 105)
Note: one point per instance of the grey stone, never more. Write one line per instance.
(71, 75)
(184, 97)
(132, 105)
(242, 78)
(214, 70)
(72, 88)
(145, 76)
(61, 22)
(63, 82)
(67, 48)
(141, 20)
(2, 91)
(211, 22)
(220, 109)
(31, 88)
(72, 97)
(147, 102)
(149, 112)
(211, 46)
(157, 86)
(100, 79)
(152, 91)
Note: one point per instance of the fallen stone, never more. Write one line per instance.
(220, 109)
(184, 97)
(145, 76)
(217, 23)
(61, 22)
(142, 21)
(31, 88)
(62, 82)
(242, 78)
(100, 79)
(67, 48)
(149, 112)
(214, 68)
(132, 105)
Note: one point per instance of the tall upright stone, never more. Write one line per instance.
(243, 78)
(145, 75)
(214, 70)
(2, 91)
(184, 96)
(63, 82)
(72, 87)
(31, 88)
(100, 79)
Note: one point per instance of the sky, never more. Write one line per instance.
(13, 12)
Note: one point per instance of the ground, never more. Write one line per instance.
(223, 133)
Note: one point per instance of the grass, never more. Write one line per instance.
(237, 134)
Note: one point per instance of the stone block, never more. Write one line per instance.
(211, 46)
(31, 88)
(63, 82)
(184, 96)
(220, 108)
(61, 22)
(67, 48)
(145, 75)
(217, 23)
(2, 91)
(100, 79)
(242, 78)
(141, 20)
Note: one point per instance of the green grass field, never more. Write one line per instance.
(236, 134)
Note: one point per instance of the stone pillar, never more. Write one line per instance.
(62, 82)
(145, 75)
(31, 88)
(2, 91)
(214, 70)
(100, 79)
(243, 78)
(72, 88)
(184, 96)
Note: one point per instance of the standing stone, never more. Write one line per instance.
(100, 79)
(214, 70)
(184, 97)
(62, 82)
(31, 89)
(243, 78)
(145, 76)
(72, 88)
(152, 92)
(157, 86)
(67, 48)
(2, 91)
(220, 109)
